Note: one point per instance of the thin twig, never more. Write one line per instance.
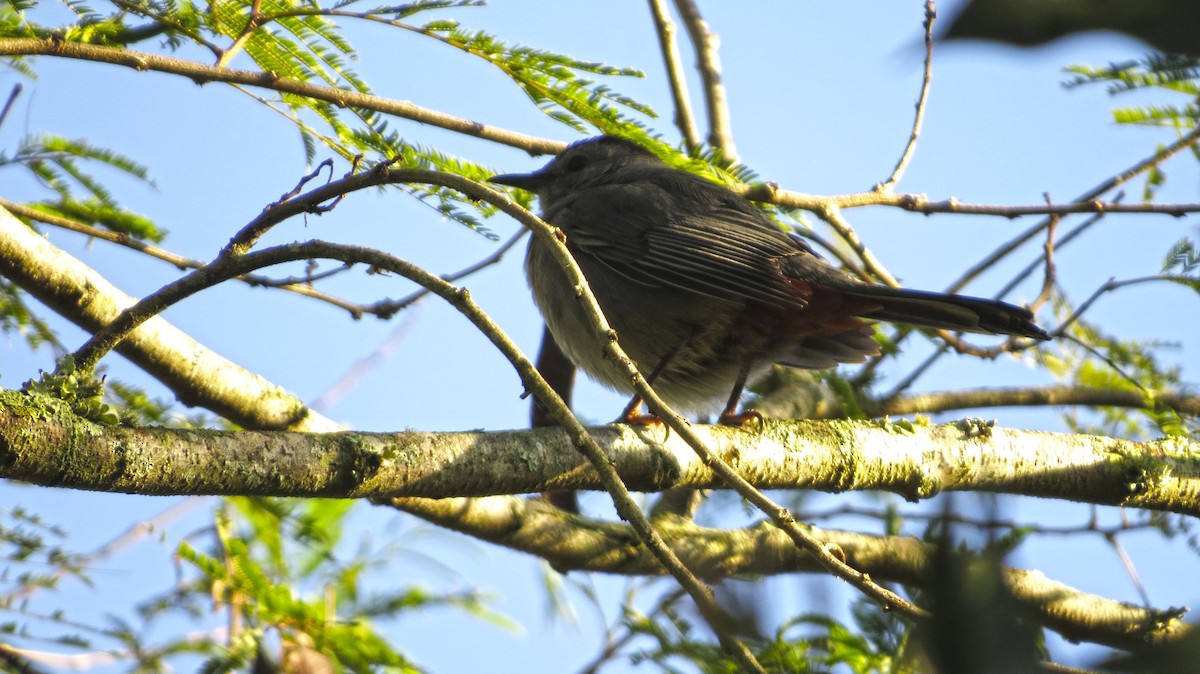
(8, 104)
(922, 99)
(1110, 286)
(392, 306)
(252, 22)
(920, 203)
(1048, 275)
(1091, 527)
(935, 402)
(1129, 568)
(705, 43)
(1062, 241)
(294, 285)
(665, 29)
(1088, 198)
(833, 216)
(1085, 203)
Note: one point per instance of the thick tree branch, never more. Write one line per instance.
(44, 444)
(537, 528)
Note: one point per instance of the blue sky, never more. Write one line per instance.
(822, 100)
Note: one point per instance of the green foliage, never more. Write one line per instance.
(33, 555)
(1093, 358)
(58, 163)
(301, 41)
(1174, 73)
(276, 564)
(845, 394)
(137, 408)
(805, 643)
(15, 316)
(1182, 264)
(552, 81)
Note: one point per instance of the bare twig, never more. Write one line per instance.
(1036, 396)
(1108, 287)
(8, 104)
(1089, 198)
(253, 19)
(294, 285)
(1091, 527)
(392, 306)
(705, 44)
(665, 29)
(1062, 241)
(833, 216)
(920, 203)
(1048, 256)
(1129, 568)
(919, 118)
(1085, 203)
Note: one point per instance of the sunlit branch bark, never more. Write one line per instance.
(44, 444)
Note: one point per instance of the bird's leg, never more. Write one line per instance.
(730, 416)
(632, 413)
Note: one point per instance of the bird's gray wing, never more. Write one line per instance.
(696, 238)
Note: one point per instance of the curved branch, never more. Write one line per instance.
(922, 99)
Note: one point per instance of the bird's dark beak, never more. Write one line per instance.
(526, 181)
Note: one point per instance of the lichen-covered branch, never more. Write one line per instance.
(45, 444)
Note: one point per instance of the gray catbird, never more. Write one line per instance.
(703, 289)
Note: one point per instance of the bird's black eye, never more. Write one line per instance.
(576, 163)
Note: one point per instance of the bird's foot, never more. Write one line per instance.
(739, 419)
(636, 418)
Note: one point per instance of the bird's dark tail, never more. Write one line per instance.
(948, 312)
